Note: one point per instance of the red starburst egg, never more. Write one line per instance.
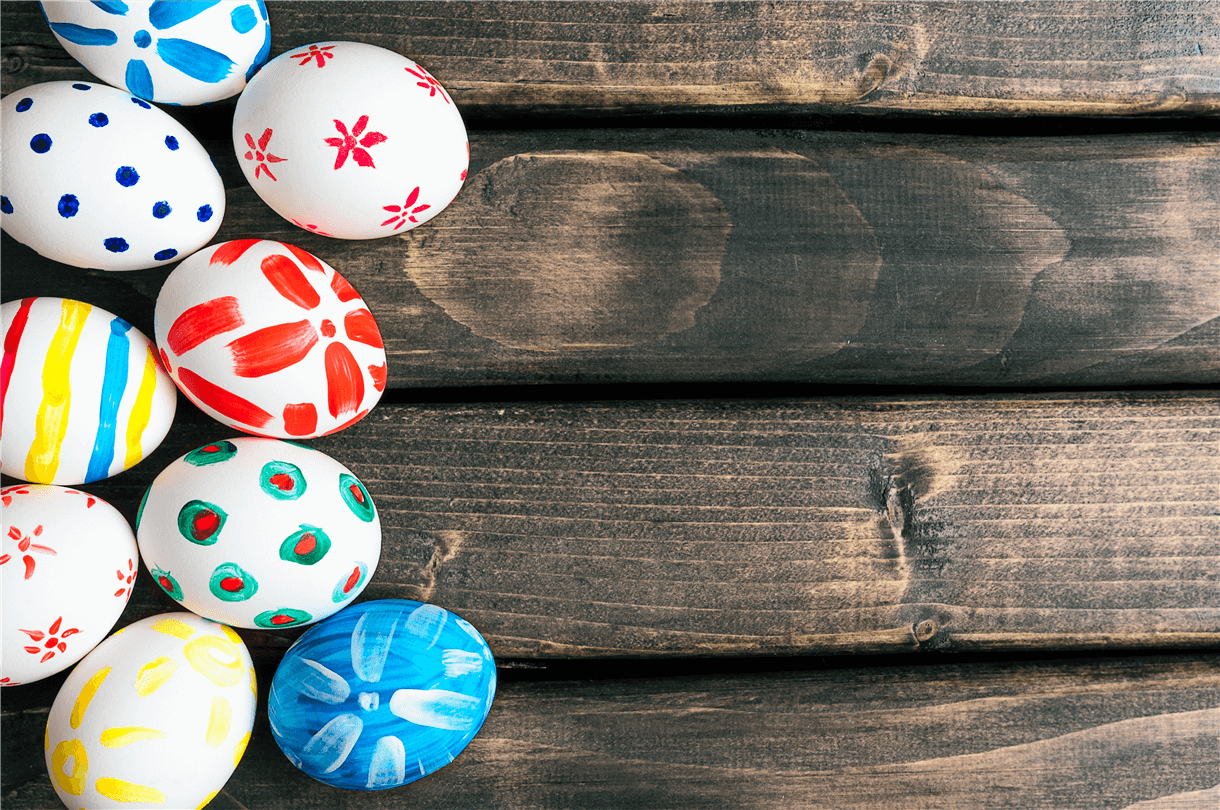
(268, 339)
(350, 140)
(69, 562)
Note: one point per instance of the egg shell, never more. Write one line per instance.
(69, 562)
(268, 339)
(381, 694)
(175, 53)
(159, 714)
(350, 140)
(97, 178)
(259, 533)
(84, 396)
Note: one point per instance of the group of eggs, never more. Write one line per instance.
(344, 139)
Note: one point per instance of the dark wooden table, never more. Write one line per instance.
(853, 442)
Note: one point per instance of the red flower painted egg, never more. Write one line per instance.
(350, 140)
(268, 339)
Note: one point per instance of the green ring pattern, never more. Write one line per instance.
(161, 577)
(213, 453)
(321, 545)
(267, 617)
(363, 509)
(249, 585)
(190, 512)
(341, 592)
(273, 468)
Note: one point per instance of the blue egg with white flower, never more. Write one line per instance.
(381, 693)
(169, 51)
(95, 177)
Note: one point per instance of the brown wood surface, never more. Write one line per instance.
(1109, 58)
(646, 255)
(1107, 733)
(764, 527)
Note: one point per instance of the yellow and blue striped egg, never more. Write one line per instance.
(82, 393)
(159, 714)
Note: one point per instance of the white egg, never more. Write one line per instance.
(84, 395)
(169, 52)
(159, 714)
(259, 533)
(350, 140)
(97, 178)
(69, 562)
(268, 339)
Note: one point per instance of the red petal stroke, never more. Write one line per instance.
(344, 380)
(309, 260)
(343, 288)
(273, 348)
(224, 402)
(289, 281)
(411, 198)
(361, 327)
(363, 158)
(378, 373)
(203, 322)
(264, 140)
(300, 419)
(230, 252)
(250, 143)
(372, 139)
(361, 123)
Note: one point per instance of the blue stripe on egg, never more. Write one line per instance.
(161, 210)
(79, 86)
(139, 80)
(99, 119)
(116, 244)
(195, 60)
(114, 382)
(85, 36)
(168, 13)
(127, 176)
(112, 6)
(68, 206)
(25, 104)
(41, 143)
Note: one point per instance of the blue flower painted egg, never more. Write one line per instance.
(381, 694)
(169, 51)
(97, 178)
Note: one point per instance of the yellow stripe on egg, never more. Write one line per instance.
(141, 412)
(51, 422)
(154, 674)
(122, 791)
(86, 694)
(216, 659)
(240, 749)
(218, 721)
(126, 735)
(173, 627)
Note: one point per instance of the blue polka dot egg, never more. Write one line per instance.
(381, 694)
(95, 177)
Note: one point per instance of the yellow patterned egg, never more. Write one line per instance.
(158, 715)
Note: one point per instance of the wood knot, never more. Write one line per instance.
(925, 630)
(873, 75)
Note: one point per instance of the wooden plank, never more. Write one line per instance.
(748, 527)
(1111, 58)
(1083, 733)
(659, 255)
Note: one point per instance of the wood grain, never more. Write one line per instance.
(661, 255)
(748, 527)
(1091, 733)
(1111, 58)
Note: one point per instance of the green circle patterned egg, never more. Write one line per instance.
(253, 532)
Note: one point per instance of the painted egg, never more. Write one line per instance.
(381, 694)
(158, 714)
(270, 340)
(69, 562)
(83, 395)
(259, 533)
(350, 140)
(97, 178)
(170, 52)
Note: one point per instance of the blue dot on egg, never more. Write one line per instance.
(165, 255)
(127, 176)
(204, 213)
(99, 119)
(82, 87)
(25, 104)
(161, 210)
(41, 143)
(5, 205)
(116, 244)
(139, 102)
(68, 206)
(143, 39)
(171, 142)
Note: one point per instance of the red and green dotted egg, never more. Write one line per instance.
(257, 532)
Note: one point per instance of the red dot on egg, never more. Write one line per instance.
(282, 481)
(280, 618)
(356, 493)
(352, 580)
(232, 584)
(205, 525)
(328, 328)
(305, 545)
